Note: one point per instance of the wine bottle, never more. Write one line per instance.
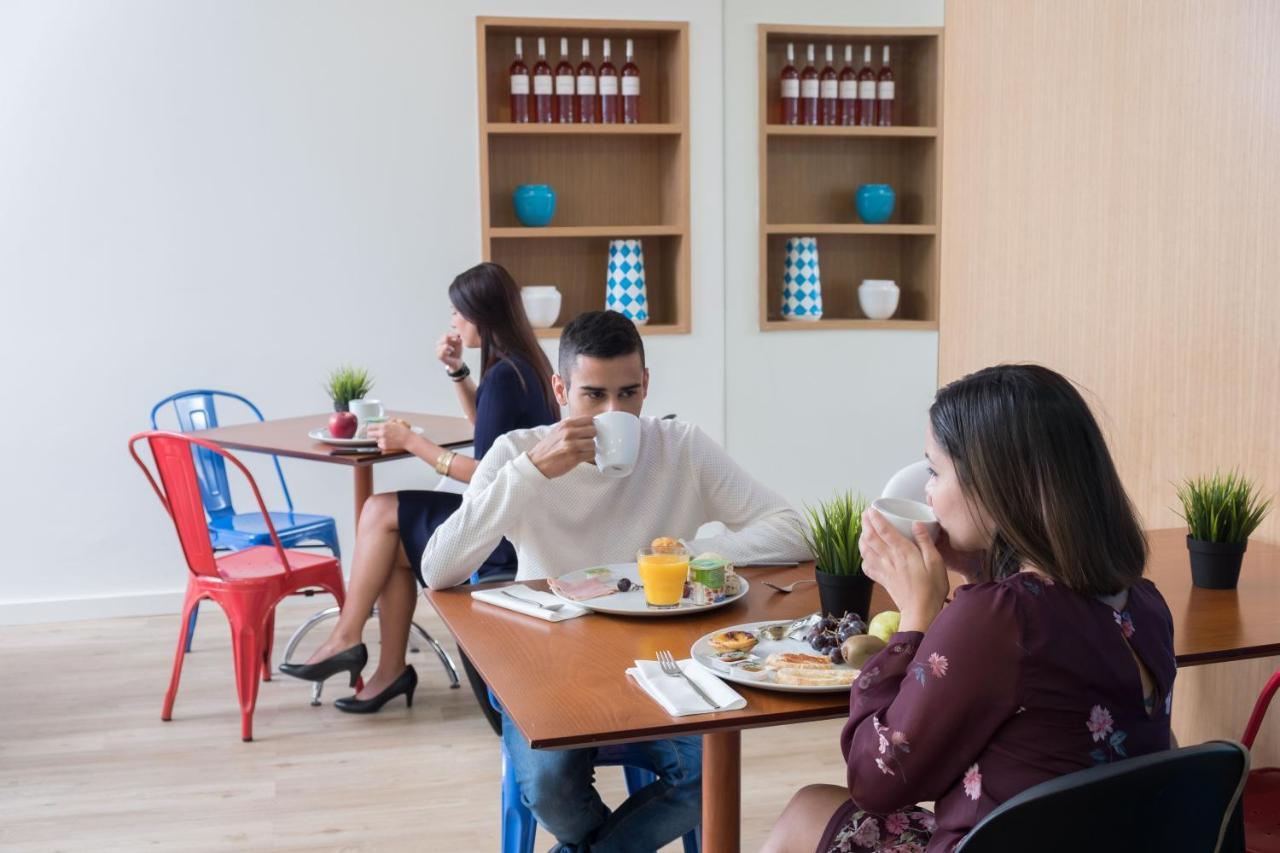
(809, 91)
(789, 91)
(586, 86)
(829, 91)
(543, 87)
(630, 88)
(608, 80)
(866, 91)
(564, 85)
(884, 93)
(848, 90)
(519, 86)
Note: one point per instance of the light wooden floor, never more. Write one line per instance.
(87, 764)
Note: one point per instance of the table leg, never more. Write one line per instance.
(721, 783)
(364, 488)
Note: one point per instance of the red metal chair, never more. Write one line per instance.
(246, 584)
(1262, 789)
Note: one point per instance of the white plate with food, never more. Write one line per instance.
(743, 655)
(323, 435)
(618, 591)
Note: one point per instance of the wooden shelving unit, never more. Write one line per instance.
(611, 181)
(808, 177)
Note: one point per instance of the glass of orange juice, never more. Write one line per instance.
(663, 574)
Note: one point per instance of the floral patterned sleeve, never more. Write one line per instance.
(924, 708)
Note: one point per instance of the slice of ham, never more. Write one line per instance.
(581, 589)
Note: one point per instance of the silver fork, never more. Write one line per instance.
(552, 607)
(671, 668)
(788, 588)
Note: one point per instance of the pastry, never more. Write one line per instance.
(806, 677)
(733, 641)
(797, 660)
(665, 545)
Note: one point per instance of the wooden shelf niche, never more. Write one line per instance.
(809, 176)
(611, 181)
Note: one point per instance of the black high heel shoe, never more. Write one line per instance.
(406, 682)
(350, 660)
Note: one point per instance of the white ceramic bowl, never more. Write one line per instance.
(542, 304)
(878, 298)
(901, 513)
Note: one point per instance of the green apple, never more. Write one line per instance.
(885, 625)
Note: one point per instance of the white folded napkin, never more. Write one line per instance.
(677, 697)
(495, 597)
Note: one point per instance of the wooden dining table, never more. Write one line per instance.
(288, 437)
(564, 684)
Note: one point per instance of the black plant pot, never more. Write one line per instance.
(841, 594)
(340, 407)
(1215, 565)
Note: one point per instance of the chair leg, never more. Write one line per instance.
(246, 648)
(518, 824)
(445, 661)
(268, 640)
(184, 641)
(191, 626)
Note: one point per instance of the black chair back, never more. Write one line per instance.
(1180, 800)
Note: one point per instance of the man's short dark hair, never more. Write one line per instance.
(598, 334)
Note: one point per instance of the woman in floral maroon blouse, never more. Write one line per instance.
(1056, 657)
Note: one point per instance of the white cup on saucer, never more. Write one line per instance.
(364, 410)
(617, 443)
(902, 513)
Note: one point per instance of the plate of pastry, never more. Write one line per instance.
(746, 654)
(615, 588)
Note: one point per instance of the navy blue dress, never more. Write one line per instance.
(508, 397)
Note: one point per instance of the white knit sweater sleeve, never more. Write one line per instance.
(762, 525)
(504, 484)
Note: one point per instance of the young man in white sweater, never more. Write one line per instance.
(539, 488)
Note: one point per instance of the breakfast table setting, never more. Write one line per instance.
(572, 674)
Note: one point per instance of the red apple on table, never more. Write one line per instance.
(342, 425)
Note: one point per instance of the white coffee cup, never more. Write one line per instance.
(363, 410)
(902, 513)
(617, 443)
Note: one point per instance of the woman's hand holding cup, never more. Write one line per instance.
(912, 570)
(449, 350)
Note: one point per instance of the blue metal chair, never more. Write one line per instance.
(228, 530)
(518, 823)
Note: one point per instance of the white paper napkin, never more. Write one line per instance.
(495, 597)
(677, 697)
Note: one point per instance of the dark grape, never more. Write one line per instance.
(835, 655)
(826, 624)
(624, 584)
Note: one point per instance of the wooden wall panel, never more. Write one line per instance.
(1111, 195)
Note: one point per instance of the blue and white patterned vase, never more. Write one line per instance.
(801, 280)
(625, 290)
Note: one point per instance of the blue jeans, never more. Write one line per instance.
(556, 785)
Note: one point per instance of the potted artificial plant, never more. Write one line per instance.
(1220, 510)
(346, 384)
(832, 535)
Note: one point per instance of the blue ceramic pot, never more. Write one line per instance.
(875, 203)
(535, 204)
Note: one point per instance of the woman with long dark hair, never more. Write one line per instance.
(514, 392)
(1055, 657)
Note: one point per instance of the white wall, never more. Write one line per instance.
(810, 412)
(240, 194)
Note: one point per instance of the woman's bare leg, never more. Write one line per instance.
(395, 615)
(378, 549)
(803, 821)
